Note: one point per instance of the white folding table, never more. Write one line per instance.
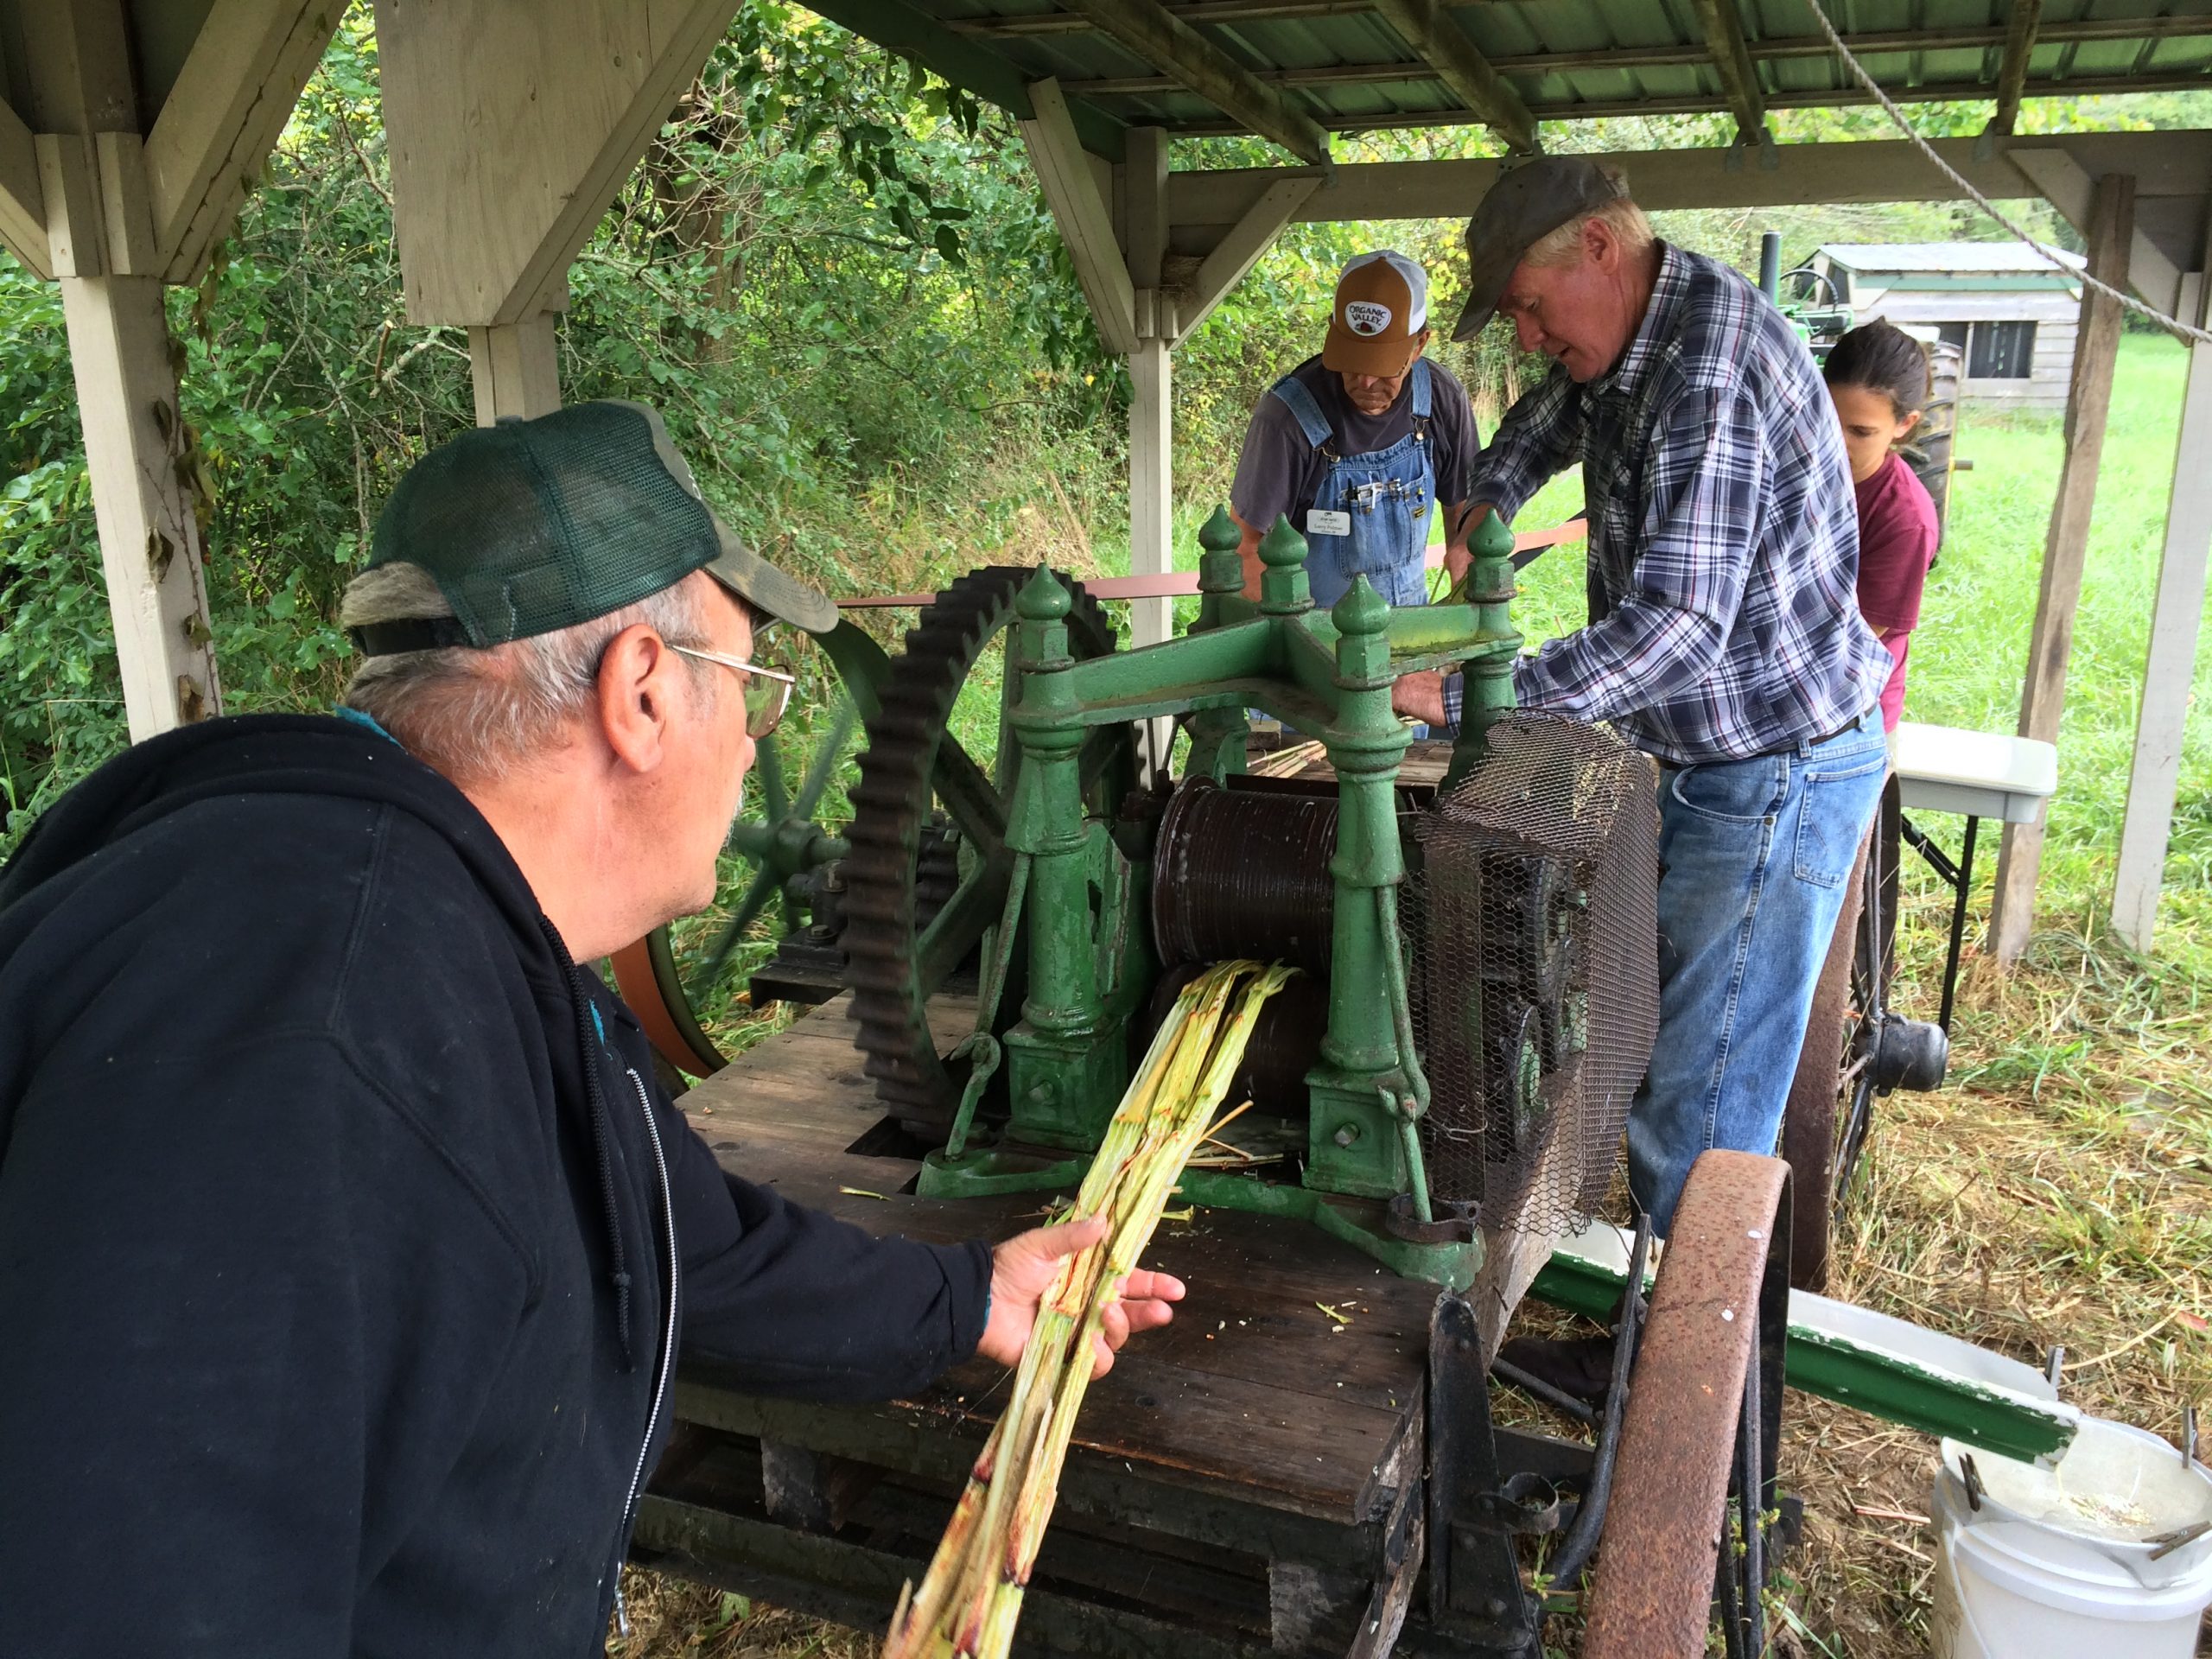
(1978, 775)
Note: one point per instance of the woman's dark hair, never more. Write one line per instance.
(1882, 358)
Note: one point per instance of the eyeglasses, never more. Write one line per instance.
(767, 690)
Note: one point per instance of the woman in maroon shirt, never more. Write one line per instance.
(1877, 379)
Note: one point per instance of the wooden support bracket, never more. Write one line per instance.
(1168, 43)
(1235, 255)
(23, 199)
(1080, 209)
(2067, 185)
(1427, 27)
(575, 89)
(236, 89)
(515, 368)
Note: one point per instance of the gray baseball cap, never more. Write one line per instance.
(1527, 203)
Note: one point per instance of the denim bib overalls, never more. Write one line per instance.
(1386, 495)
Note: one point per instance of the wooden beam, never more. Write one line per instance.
(2058, 594)
(1080, 210)
(516, 369)
(2154, 771)
(1235, 255)
(1146, 27)
(1723, 25)
(1804, 175)
(1427, 26)
(219, 121)
(511, 128)
(945, 47)
(23, 200)
(2013, 69)
(2065, 183)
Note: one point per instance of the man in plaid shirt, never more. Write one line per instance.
(1724, 638)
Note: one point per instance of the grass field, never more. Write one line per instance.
(2059, 1189)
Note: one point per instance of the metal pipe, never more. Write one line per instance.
(1581, 1540)
(1770, 266)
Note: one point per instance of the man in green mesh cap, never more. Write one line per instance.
(347, 1242)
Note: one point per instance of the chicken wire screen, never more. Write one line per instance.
(1535, 933)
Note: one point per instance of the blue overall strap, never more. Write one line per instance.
(1303, 409)
(1421, 389)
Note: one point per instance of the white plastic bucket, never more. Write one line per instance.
(2057, 1562)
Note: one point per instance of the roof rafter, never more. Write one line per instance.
(2012, 71)
(1740, 78)
(1946, 92)
(1167, 42)
(1651, 57)
(1444, 48)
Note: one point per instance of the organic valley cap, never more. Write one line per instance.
(1381, 306)
(1527, 203)
(532, 525)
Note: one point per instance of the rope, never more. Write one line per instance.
(2172, 325)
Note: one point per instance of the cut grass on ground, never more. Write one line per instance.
(2058, 1190)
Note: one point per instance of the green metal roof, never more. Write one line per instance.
(1340, 64)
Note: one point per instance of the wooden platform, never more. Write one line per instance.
(1253, 1390)
(1236, 1480)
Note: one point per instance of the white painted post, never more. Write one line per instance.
(100, 246)
(150, 544)
(2155, 773)
(516, 368)
(1152, 375)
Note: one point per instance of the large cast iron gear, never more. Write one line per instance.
(911, 760)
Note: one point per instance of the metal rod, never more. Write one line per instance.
(1770, 264)
(1557, 1399)
(2188, 1435)
(1958, 926)
(2053, 1364)
(1581, 1540)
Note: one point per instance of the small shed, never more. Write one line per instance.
(2001, 303)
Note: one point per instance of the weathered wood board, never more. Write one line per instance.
(1254, 1392)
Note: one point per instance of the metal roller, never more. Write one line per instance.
(1238, 872)
(1286, 1043)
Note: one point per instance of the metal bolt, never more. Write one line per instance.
(1346, 1134)
(1728, 1314)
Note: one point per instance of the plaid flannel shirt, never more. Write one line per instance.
(1724, 534)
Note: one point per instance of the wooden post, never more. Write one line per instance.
(516, 368)
(2112, 223)
(1144, 195)
(2155, 772)
(101, 244)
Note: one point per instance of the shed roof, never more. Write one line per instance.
(1349, 66)
(1994, 258)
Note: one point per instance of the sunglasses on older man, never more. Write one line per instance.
(767, 690)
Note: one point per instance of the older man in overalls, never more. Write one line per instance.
(1357, 446)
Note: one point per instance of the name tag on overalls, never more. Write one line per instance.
(1319, 522)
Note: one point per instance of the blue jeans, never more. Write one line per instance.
(1754, 856)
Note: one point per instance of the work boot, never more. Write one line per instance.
(1579, 1367)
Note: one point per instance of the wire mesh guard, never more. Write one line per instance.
(1535, 912)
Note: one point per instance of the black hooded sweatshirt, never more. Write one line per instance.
(343, 1227)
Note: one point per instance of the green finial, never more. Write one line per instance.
(1044, 600)
(1220, 534)
(1493, 538)
(1282, 547)
(1362, 610)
